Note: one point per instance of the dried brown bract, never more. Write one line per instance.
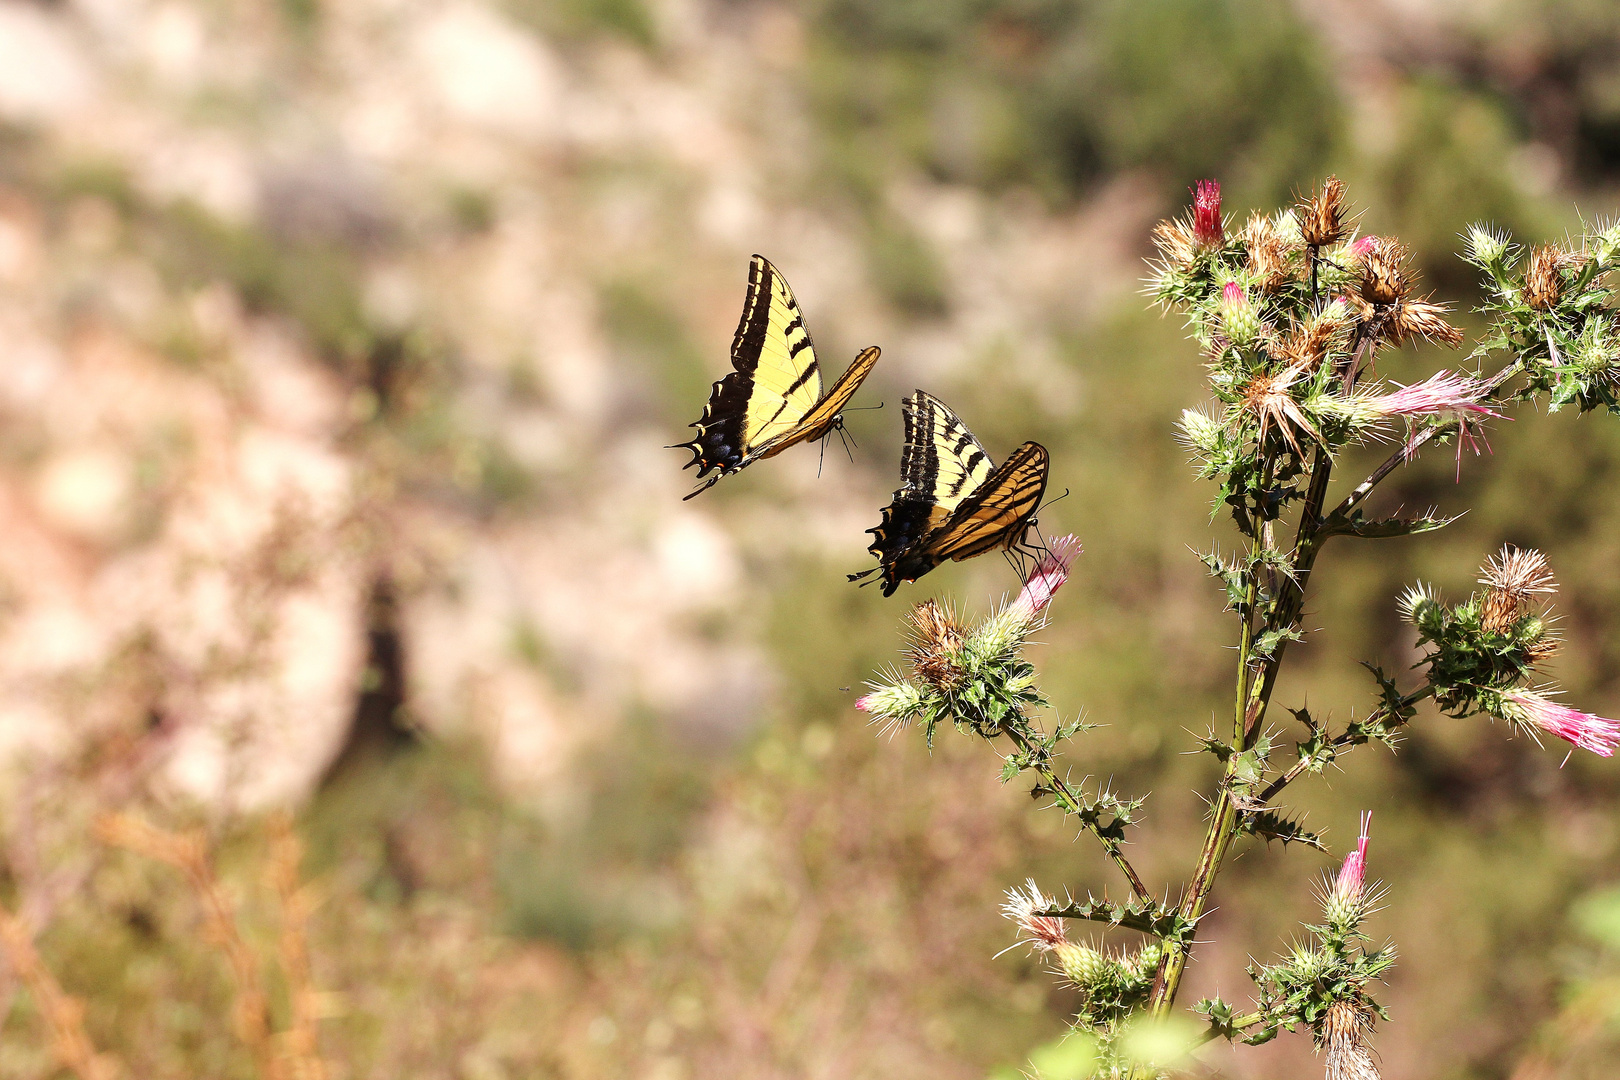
(1344, 1037)
(1385, 279)
(1175, 243)
(1510, 580)
(1544, 278)
(1421, 319)
(1268, 253)
(1321, 217)
(936, 644)
(1309, 344)
(1266, 398)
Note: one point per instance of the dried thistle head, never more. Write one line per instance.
(1176, 244)
(1308, 344)
(1266, 398)
(1385, 278)
(1344, 1035)
(936, 645)
(1511, 578)
(1268, 253)
(1543, 277)
(1321, 217)
(1421, 319)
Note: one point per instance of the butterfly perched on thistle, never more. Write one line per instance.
(772, 398)
(953, 502)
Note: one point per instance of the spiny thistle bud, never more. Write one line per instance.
(1511, 578)
(1422, 319)
(1486, 246)
(1543, 278)
(1321, 217)
(1419, 606)
(1208, 229)
(1536, 712)
(1085, 967)
(1344, 1038)
(1200, 433)
(1238, 316)
(892, 705)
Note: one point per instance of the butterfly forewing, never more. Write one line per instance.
(996, 514)
(772, 398)
(773, 338)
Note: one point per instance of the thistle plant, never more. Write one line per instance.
(1291, 314)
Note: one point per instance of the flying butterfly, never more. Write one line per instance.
(953, 502)
(773, 398)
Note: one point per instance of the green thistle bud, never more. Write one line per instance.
(1238, 316)
(1084, 966)
(1486, 246)
(1201, 433)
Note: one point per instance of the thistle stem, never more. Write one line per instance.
(1273, 789)
(1072, 803)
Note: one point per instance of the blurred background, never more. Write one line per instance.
(339, 344)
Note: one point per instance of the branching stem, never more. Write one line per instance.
(1072, 803)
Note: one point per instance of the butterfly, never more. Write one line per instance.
(773, 398)
(953, 502)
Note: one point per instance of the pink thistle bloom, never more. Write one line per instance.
(1045, 580)
(1208, 229)
(1595, 733)
(1233, 295)
(1363, 245)
(1043, 932)
(1353, 874)
(1442, 392)
(867, 703)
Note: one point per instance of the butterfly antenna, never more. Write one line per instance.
(1049, 502)
(864, 408)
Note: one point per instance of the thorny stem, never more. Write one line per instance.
(1072, 803)
(1239, 1023)
(1273, 789)
(1255, 696)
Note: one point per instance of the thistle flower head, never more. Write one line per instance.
(1321, 217)
(1442, 393)
(1540, 713)
(1208, 229)
(935, 647)
(1048, 576)
(1511, 578)
(1200, 431)
(1043, 933)
(1349, 885)
(1343, 1036)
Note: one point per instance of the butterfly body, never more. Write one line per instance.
(772, 399)
(953, 503)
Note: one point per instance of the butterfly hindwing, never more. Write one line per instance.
(772, 398)
(953, 503)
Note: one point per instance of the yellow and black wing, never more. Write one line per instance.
(953, 503)
(772, 397)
